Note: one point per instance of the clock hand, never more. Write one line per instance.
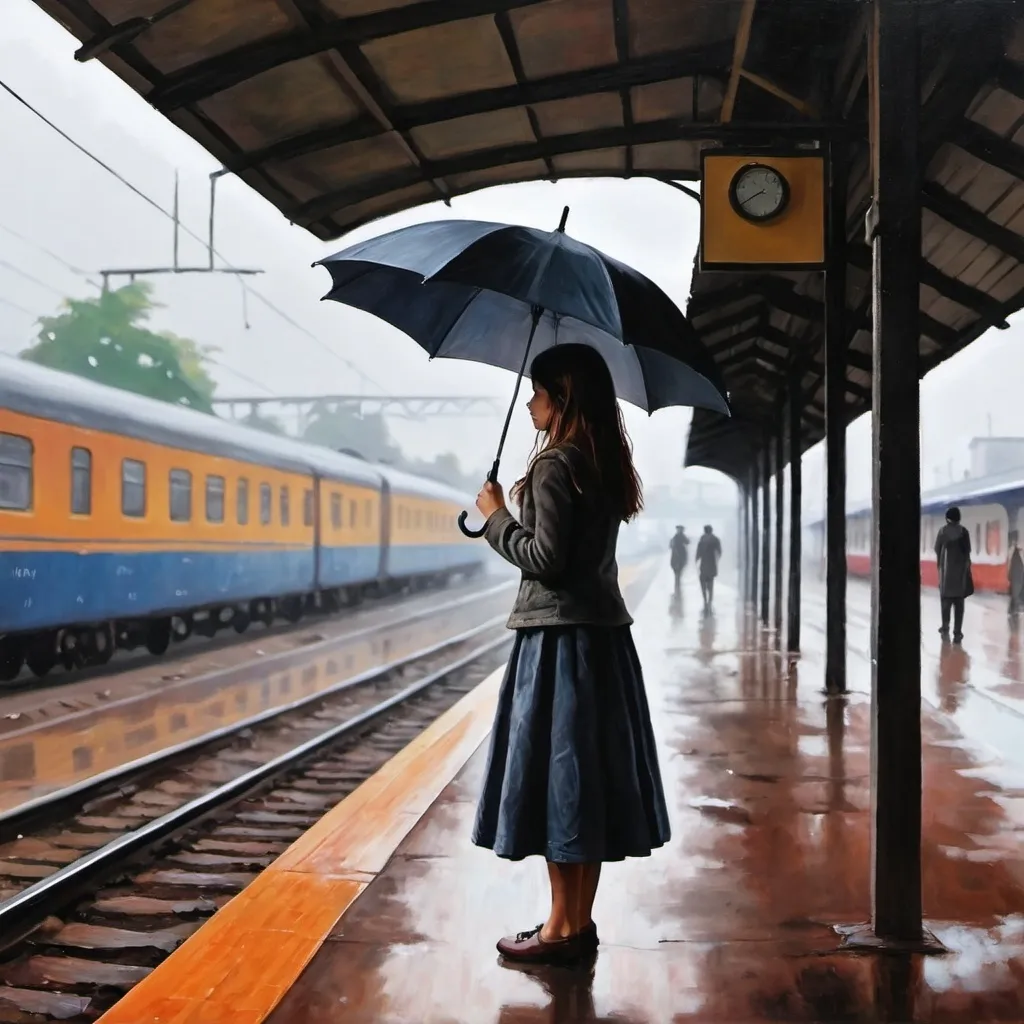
(744, 202)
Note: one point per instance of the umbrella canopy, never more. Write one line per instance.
(473, 290)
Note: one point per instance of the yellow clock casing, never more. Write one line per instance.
(789, 236)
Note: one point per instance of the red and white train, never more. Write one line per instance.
(990, 508)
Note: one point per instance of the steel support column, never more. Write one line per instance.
(835, 426)
(894, 228)
(795, 520)
(780, 522)
(766, 531)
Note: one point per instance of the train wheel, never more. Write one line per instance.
(241, 620)
(158, 636)
(103, 641)
(12, 655)
(292, 608)
(42, 653)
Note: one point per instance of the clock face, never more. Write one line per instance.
(759, 192)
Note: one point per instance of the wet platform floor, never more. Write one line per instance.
(735, 920)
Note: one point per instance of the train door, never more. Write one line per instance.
(317, 521)
(385, 528)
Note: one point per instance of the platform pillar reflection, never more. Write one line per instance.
(780, 520)
(794, 408)
(754, 536)
(894, 232)
(766, 528)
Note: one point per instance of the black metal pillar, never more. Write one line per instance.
(795, 520)
(835, 427)
(755, 528)
(894, 228)
(766, 524)
(780, 521)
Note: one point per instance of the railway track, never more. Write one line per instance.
(137, 870)
(81, 741)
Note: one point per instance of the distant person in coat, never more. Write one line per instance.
(709, 551)
(1015, 574)
(680, 548)
(953, 554)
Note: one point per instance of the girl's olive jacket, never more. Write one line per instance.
(565, 547)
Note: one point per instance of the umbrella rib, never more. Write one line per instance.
(451, 327)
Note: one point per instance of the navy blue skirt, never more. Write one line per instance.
(572, 772)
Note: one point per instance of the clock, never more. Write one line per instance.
(758, 193)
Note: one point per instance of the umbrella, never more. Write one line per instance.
(499, 293)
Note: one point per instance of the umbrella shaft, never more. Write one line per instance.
(493, 475)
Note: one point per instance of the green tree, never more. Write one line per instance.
(105, 339)
(260, 421)
(341, 426)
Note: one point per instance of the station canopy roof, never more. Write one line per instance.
(343, 111)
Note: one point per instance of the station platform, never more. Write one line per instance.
(384, 912)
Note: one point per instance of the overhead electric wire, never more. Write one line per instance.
(48, 252)
(188, 231)
(29, 277)
(14, 305)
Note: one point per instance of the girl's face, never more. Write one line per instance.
(542, 409)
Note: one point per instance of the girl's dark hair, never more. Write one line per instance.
(587, 417)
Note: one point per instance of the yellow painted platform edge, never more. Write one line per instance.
(191, 976)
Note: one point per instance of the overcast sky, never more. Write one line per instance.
(59, 200)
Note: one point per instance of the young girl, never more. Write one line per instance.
(572, 773)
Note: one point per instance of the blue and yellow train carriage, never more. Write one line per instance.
(423, 533)
(125, 520)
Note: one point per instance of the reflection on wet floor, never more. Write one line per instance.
(47, 756)
(735, 920)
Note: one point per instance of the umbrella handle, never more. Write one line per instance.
(492, 477)
(463, 516)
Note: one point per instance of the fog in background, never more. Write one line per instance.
(54, 198)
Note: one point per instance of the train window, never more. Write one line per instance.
(977, 537)
(81, 482)
(215, 499)
(352, 510)
(15, 472)
(266, 504)
(242, 502)
(285, 511)
(419, 518)
(307, 507)
(133, 488)
(368, 511)
(181, 495)
(401, 517)
(336, 511)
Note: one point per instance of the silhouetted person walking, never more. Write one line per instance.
(953, 554)
(1015, 575)
(680, 548)
(709, 551)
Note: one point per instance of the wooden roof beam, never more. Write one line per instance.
(739, 55)
(604, 138)
(361, 81)
(620, 18)
(613, 78)
(511, 44)
(737, 319)
(955, 211)
(208, 77)
(990, 148)
(768, 86)
(965, 295)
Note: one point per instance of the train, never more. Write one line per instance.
(129, 522)
(990, 509)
